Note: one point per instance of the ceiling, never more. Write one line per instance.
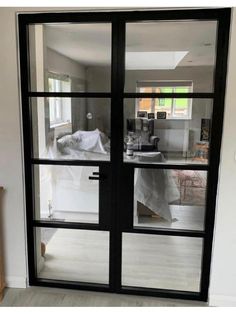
(90, 44)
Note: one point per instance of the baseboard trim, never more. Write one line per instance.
(15, 282)
(222, 300)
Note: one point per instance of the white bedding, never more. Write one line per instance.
(73, 191)
(155, 188)
(88, 141)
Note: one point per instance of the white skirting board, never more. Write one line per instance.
(15, 282)
(222, 300)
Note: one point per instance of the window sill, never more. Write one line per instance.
(177, 119)
(56, 125)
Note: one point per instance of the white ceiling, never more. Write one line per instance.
(90, 44)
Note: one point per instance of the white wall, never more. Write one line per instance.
(60, 64)
(10, 155)
(223, 273)
(11, 161)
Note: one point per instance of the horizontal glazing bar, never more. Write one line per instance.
(66, 17)
(69, 94)
(69, 162)
(161, 293)
(169, 95)
(168, 232)
(125, 95)
(204, 167)
(71, 284)
(107, 16)
(68, 225)
(201, 15)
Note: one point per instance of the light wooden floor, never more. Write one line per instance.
(150, 261)
(184, 217)
(40, 296)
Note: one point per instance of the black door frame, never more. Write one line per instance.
(121, 220)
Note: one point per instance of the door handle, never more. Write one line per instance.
(97, 176)
(94, 178)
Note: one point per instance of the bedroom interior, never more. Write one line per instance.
(166, 142)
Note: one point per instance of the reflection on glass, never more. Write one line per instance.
(71, 128)
(72, 255)
(173, 199)
(166, 55)
(65, 193)
(78, 54)
(164, 262)
(167, 130)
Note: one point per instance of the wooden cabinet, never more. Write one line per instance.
(2, 284)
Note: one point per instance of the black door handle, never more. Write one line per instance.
(97, 176)
(94, 178)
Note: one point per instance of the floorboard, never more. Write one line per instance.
(50, 297)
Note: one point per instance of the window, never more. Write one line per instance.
(59, 108)
(175, 108)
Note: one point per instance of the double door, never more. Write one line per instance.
(91, 84)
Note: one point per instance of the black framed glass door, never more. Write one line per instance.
(122, 120)
(66, 109)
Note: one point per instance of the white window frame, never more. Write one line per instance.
(172, 84)
(56, 103)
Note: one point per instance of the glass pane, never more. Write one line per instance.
(182, 108)
(163, 104)
(173, 199)
(65, 193)
(181, 90)
(77, 56)
(164, 262)
(73, 255)
(71, 128)
(145, 104)
(169, 130)
(170, 54)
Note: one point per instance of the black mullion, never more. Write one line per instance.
(118, 70)
(169, 95)
(70, 94)
(127, 200)
(105, 196)
(26, 120)
(215, 144)
(112, 242)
